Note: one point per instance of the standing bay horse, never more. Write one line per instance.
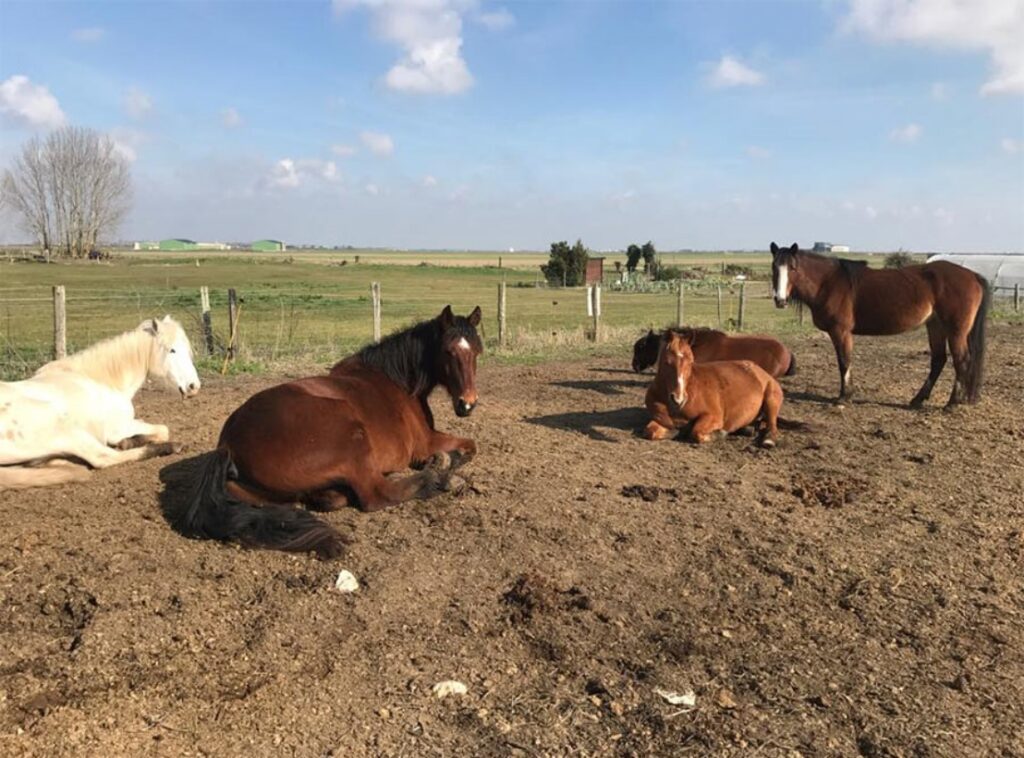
(330, 441)
(713, 345)
(846, 298)
(721, 396)
(76, 413)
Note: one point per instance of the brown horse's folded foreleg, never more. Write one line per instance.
(461, 449)
(376, 493)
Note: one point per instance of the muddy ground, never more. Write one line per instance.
(857, 591)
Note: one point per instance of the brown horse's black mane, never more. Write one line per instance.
(409, 357)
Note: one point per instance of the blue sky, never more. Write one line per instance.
(454, 123)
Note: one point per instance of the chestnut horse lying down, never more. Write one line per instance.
(722, 396)
(330, 441)
(712, 345)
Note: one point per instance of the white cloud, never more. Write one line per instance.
(906, 134)
(870, 212)
(993, 26)
(288, 173)
(137, 103)
(127, 142)
(430, 35)
(377, 143)
(730, 72)
(89, 34)
(1011, 146)
(343, 151)
(429, 181)
(230, 118)
(939, 91)
(372, 190)
(28, 104)
(758, 153)
(496, 20)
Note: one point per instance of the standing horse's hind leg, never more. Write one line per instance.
(937, 344)
(842, 341)
(959, 350)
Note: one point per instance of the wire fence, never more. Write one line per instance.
(277, 326)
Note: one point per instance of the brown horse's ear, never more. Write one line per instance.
(447, 318)
(474, 317)
(775, 249)
(794, 248)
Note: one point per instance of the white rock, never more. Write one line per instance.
(448, 687)
(686, 699)
(346, 582)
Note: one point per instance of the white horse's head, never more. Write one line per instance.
(170, 358)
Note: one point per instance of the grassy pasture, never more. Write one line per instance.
(306, 308)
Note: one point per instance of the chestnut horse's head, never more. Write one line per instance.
(645, 351)
(460, 346)
(783, 268)
(675, 365)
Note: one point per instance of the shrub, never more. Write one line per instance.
(899, 259)
(567, 265)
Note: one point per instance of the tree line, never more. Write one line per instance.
(567, 266)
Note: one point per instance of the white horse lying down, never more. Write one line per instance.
(79, 409)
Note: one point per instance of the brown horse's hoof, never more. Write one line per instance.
(454, 485)
(767, 443)
(440, 461)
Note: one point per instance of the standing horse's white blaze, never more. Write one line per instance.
(782, 283)
(80, 406)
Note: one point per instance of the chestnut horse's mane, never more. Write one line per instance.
(409, 357)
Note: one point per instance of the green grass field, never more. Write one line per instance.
(304, 308)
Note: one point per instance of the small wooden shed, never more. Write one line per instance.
(595, 271)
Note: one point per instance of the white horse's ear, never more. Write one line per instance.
(167, 318)
(150, 326)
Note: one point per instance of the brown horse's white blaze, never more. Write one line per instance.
(847, 297)
(461, 383)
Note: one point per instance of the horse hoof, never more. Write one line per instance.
(455, 485)
(440, 462)
(768, 443)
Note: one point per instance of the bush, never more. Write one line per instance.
(899, 259)
(567, 265)
(666, 273)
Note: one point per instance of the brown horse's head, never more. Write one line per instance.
(460, 346)
(784, 269)
(675, 364)
(645, 351)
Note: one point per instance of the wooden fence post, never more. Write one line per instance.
(1016, 296)
(60, 323)
(204, 301)
(375, 296)
(232, 323)
(800, 312)
(719, 288)
(502, 326)
(679, 305)
(743, 303)
(595, 293)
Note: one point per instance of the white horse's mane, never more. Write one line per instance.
(120, 361)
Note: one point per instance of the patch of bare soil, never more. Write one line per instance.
(858, 590)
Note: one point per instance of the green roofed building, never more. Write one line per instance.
(179, 244)
(269, 246)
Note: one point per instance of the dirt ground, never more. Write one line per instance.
(857, 591)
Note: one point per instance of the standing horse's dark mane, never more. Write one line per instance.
(408, 357)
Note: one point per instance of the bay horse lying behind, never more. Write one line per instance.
(713, 345)
(847, 298)
(330, 441)
(721, 396)
(76, 413)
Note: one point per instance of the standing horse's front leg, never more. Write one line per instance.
(842, 341)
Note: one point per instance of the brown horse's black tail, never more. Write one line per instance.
(792, 365)
(211, 513)
(976, 344)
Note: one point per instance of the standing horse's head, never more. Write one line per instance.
(460, 346)
(645, 351)
(170, 357)
(783, 267)
(675, 365)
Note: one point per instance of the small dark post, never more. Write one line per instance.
(719, 288)
(204, 300)
(60, 324)
(679, 305)
(502, 326)
(1016, 296)
(232, 323)
(743, 303)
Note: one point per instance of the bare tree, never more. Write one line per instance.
(69, 189)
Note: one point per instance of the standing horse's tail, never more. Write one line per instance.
(211, 513)
(976, 344)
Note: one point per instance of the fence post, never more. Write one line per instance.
(375, 295)
(595, 293)
(60, 323)
(232, 322)
(743, 303)
(1016, 296)
(719, 288)
(679, 305)
(501, 314)
(204, 301)
(800, 312)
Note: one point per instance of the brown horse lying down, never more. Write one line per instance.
(722, 396)
(329, 441)
(712, 345)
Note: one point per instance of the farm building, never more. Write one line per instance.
(1004, 272)
(828, 247)
(146, 246)
(595, 271)
(180, 244)
(268, 246)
